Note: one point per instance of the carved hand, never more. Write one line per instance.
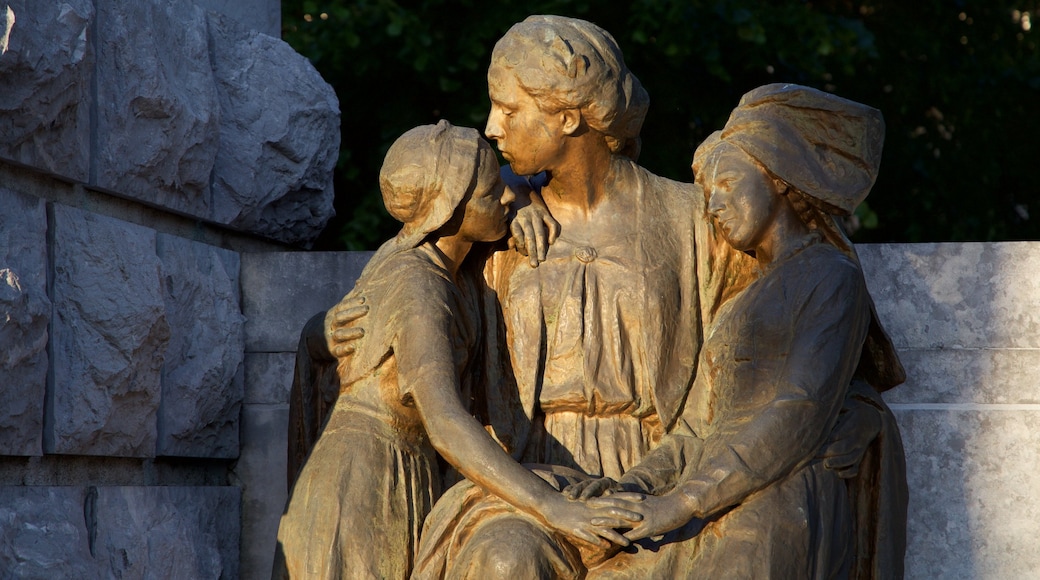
(661, 514)
(858, 426)
(590, 488)
(340, 332)
(593, 523)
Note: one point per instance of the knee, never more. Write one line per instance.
(509, 551)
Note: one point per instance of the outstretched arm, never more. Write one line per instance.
(425, 364)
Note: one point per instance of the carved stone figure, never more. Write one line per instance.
(739, 482)
(590, 357)
(362, 495)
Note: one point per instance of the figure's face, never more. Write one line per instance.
(530, 139)
(486, 213)
(742, 198)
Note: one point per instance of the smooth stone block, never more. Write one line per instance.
(202, 379)
(269, 377)
(46, 63)
(25, 312)
(279, 136)
(969, 376)
(974, 510)
(110, 337)
(43, 533)
(158, 118)
(956, 295)
(168, 532)
(261, 473)
(281, 291)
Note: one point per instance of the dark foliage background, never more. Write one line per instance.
(957, 80)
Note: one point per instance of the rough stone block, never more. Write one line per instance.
(46, 63)
(157, 103)
(260, 15)
(25, 311)
(963, 295)
(269, 377)
(43, 533)
(168, 532)
(110, 336)
(969, 376)
(261, 471)
(281, 291)
(202, 378)
(974, 511)
(279, 136)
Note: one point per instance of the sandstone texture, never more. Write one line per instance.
(46, 67)
(157, 104)
(110, 337)
(202, 380)
(25, 311)
(279, 141)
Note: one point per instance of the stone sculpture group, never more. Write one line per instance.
(658, 379)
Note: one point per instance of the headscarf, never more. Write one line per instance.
(425, 176)
(829, 150)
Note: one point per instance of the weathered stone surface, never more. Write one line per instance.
(46, 63)
(110, 336)
(970, 295)
(974, 511)
(261, 471)
(285, 289)
(168, 532)
(969, 376)
(157, 105)
(202, 378)
(260, 15)
(25, 311)
(279, 136)
(269, 377)
(43, 533)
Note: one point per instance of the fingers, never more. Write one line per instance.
(638, 533)
(594, 489)
(342, 350)
(624, 496)
(847, 465)
(612, 535)
(626, 517)
(348, 315)
(575, 490)
(531, 235)
(590, 537)
(518, 239)
(540, 243)
(344, 334)
(554, 229)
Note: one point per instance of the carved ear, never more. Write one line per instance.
(571, 121)
(781, 186)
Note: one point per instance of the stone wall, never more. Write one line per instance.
(965, 317)
(145, 146)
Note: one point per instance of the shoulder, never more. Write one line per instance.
(406, 285)
(826, 273)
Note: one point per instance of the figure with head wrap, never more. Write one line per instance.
(356, 509)
(739, 488)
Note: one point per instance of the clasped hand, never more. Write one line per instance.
(658, 515)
